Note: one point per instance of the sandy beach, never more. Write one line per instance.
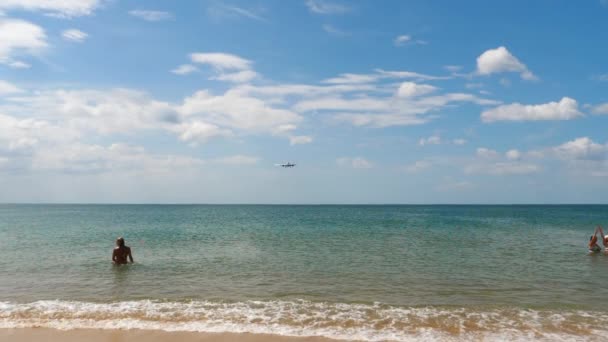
(99, 335)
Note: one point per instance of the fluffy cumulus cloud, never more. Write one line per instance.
(101, 111)
(411, 89)
(354, 162)
(19, 37)
(491, 162)
(581, 149)
(500, 60)
(236, 111)
(565, 109)
(150, 15)
(56, 8)
(227, 67)
(74, 35)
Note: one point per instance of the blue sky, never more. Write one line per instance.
(377, 102)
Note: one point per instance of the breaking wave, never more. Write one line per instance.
(365, 322)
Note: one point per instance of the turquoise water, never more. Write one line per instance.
(350, 272)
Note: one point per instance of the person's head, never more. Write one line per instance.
(592, 240)
(120, 242)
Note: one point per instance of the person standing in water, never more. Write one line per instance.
(121, 253)
(593, 246)
(604, 237)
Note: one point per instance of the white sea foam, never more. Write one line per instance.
(375, 322)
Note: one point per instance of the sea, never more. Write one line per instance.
(352, 272)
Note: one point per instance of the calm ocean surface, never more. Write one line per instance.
(348, 272)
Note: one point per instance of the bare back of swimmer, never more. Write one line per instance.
(121, 253)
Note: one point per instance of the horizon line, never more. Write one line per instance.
(298, 204)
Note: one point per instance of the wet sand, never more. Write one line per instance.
(99, 335)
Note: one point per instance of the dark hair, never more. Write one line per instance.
(121, 241)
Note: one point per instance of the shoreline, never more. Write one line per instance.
(119, 335)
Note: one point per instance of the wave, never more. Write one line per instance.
(365, 322)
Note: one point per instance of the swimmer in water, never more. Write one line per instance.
(593, 246)
(121, 253)
(604, 237)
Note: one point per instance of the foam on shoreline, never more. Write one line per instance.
(375, 322)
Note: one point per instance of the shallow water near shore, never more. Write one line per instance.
(350, 272)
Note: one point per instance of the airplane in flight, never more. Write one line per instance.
(286, 165)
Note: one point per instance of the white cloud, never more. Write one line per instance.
(432, 140)
(8, 88)
(242, 76)
(402, 40)
(74, 35)
(382, 111)
(185, 69)
(197, 131)
(600, 77)
(149, 15)
(565, 109)
(600, 109)
(581, 149)
(355, 163)
(18, 65)
(227, 67)
(232, 110)
(411, 89)
(408, 75)
(228, 11)
(19, 36)
(513, 154)
(221, 61)
(299, 139)
(486, 153)
(500, 60)
(326, 7)
(334, 30)
(85, 158)
(459, 141)
(351, 79)
(406, 39)
(490, 162)
(102, 111)
(57, 8)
